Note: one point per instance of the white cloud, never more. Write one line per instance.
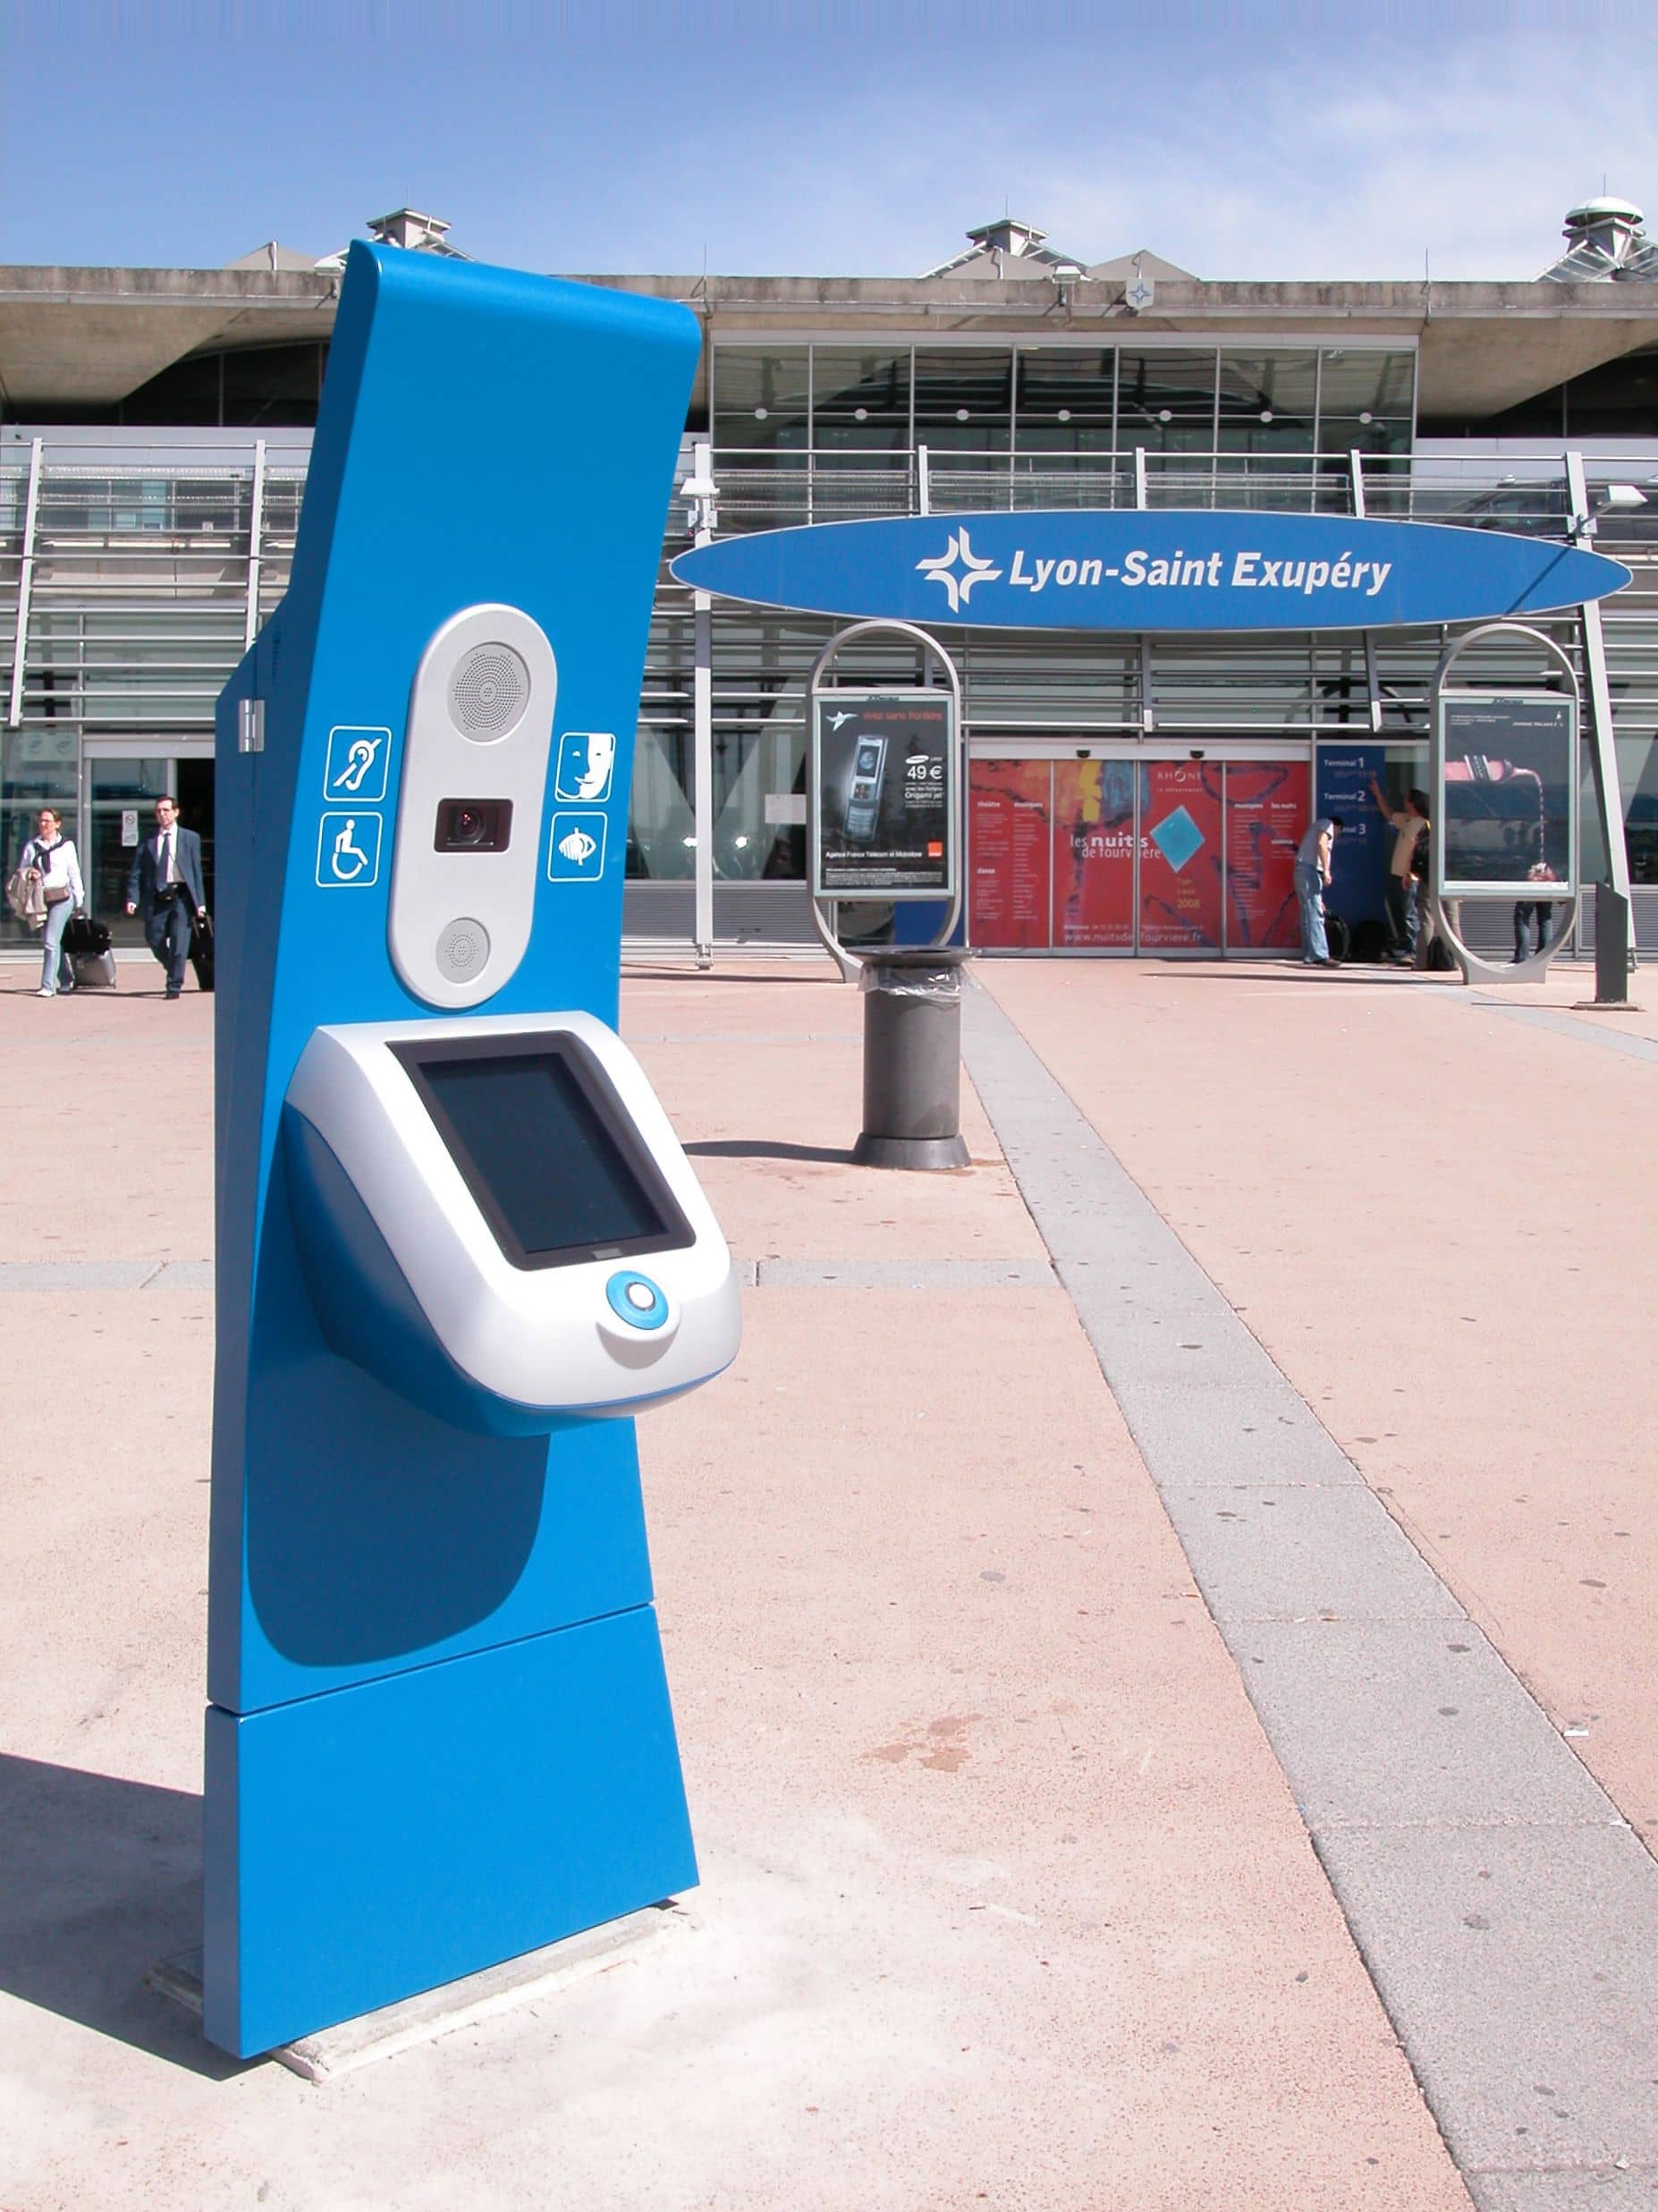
(1347, 159)
(1299, 171)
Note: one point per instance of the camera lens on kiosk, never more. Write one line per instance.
(473, 826)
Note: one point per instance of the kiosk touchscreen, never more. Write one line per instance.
(506, 1199)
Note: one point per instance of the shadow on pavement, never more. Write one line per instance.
(763, 1149)
(102, 1880)
(1294, 971)
(666, 972)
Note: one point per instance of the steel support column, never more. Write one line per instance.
(25, 586)
(1603, 750)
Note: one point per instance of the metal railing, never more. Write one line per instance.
(128, 592)
(1530, 496)
(129, 588)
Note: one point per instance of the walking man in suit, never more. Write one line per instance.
(165, 888)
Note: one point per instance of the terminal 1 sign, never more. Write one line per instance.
(886, 796)
(1151, 571)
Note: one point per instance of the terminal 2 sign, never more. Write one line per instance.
(1148, 570)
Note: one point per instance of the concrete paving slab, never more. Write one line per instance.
(1581, 2188)
(77, 1275)
(1257, 1433)
(905, 1275)
(1447, 1732)
(1303, 1553)
(1527, 1984)
(1604, 1032)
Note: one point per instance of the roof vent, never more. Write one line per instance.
(993, 245)
(419, 233)
(1605, 242)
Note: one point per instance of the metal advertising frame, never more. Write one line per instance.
(1447, 895)
(818, 691)
(838, 705)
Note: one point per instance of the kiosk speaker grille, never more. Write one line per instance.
(462, 948)
(488, 691)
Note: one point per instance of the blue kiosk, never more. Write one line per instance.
(457, 1243)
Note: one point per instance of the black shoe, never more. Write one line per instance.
(175, 993)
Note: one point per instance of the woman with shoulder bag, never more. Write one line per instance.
(54, 854)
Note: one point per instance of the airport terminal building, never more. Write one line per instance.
(154, 430)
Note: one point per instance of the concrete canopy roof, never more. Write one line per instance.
(87, 336)
(1483, 347)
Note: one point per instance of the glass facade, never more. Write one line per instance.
(149, 564)
(1044, 399)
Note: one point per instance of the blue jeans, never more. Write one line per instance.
(55, 971)
(1309, 891)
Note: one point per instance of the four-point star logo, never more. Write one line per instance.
(958, 582)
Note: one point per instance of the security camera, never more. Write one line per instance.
(1197, 752)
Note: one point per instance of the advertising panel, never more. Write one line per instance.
(1506, 766)
(1008, 905)
(884, 765)
(1094, 853)
(1179, 856)
(1266, 811)
(1358, 863)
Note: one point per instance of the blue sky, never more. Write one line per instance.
(834, 138)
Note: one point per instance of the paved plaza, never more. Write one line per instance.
(1160, 1627)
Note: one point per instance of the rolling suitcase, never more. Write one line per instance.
(91, 962)
(201, 951)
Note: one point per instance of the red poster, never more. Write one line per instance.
(1094, 852)
(1008, 905)
(1267, 808)
(1181, 856)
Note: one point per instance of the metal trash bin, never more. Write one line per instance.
(912, 1058)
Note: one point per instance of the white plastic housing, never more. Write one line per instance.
(459, 922)
(541, 1337)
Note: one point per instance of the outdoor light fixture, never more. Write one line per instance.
(701, 497)
(1608, 499)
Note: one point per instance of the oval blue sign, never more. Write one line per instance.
(1151, 570)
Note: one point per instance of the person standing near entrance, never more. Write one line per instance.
(1403, 907)
(60, 886)
(164, 889)
(1312, 879)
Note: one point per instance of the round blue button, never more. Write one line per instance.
(636, 1300)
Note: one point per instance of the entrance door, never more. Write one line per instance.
(1126, 854)
(121, 785)
(1182, 859)
(1268, 804)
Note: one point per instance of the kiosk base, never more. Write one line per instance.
(386, 1839)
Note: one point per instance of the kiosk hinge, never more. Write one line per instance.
(250, 726)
